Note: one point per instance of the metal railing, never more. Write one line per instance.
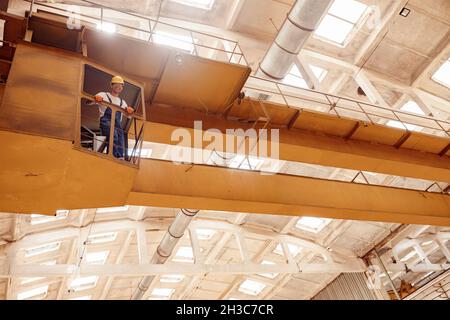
(300, 98)
(194, 42)
(199, 44)
(97, 135)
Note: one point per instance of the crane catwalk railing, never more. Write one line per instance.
(194, 42)
(216, 48)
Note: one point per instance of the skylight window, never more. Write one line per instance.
(102, 237)
(268, 275)
(442, 75)
(97, 257)
(171, 278)
(412, 107)
(349, 10)
(112, 209)
(84, 283)
(294, 78)
(162, 293)
(39, 219)
(399, 125)
(201, 4)
(41, 249)
(312, 224)
(293, 249)
(36, 293)
(251, 287)
(205, 234)
(340, 20)
(184, 254)
(181, 42)
(319, 73)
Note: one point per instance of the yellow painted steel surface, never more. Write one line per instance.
(215, 188)
(319, 139)
(41, 95)
(42, 175)
(42, 170)
(210, 86)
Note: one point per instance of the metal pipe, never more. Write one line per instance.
(165, 248)
(387, 275)
(301, 22)
(31, 9)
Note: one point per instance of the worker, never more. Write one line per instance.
(113, 97)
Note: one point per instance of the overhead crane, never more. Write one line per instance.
(52, 71)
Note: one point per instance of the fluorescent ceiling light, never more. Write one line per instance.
(84, 283)
(201, 4)
(171, 278)
(251, 287)
(162, 292)
(97, 257)
(36, 293)
(112, 209)
(102, 237)
(442, 75)
(44, 248)
(205, 234)
(106, 27)
(312, 224)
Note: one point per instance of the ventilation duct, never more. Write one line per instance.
(302, 20)
(165, 248)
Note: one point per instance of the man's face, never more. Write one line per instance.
(117, 88)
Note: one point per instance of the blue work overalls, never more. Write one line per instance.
(105, 125)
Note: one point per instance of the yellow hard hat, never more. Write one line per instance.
(117, 79)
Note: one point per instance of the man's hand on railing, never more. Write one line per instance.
(130, 110)
(98, 99)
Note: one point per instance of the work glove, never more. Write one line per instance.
(99, 98)
(130, 110)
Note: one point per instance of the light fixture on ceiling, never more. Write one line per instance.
(405, 12)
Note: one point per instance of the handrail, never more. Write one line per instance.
(360, 106)
(231, 53)
(134, 157)
(396, 114)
